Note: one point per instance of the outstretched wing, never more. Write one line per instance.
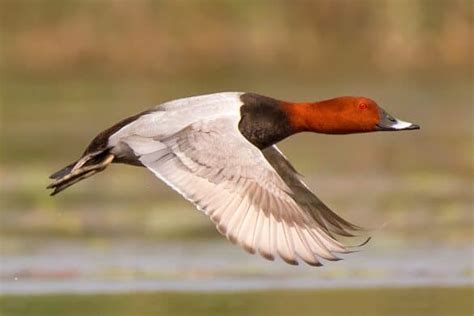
(254, 198)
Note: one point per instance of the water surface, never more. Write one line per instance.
(139, 265)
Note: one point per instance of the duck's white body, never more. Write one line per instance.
(170, 117)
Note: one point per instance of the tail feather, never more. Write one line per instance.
(96, 158)
(85, 167)
(64, 171)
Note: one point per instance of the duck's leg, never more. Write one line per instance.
(81, 171)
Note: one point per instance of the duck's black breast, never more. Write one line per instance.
(263, 121)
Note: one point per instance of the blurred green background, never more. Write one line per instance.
(70, 69)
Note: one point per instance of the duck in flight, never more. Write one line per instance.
(218, 151)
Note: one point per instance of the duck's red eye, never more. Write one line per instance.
(363, 106)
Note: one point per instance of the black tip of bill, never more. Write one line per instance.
(413, 126)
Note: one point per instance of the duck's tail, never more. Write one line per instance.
(89, 164)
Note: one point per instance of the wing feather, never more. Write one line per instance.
(254, 198)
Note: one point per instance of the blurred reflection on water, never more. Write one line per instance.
(137, 265)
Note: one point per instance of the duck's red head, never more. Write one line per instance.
(343, 115)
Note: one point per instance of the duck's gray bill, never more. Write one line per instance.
(389, 123)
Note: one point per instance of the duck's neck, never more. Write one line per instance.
(325, 117)
(266, 121)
